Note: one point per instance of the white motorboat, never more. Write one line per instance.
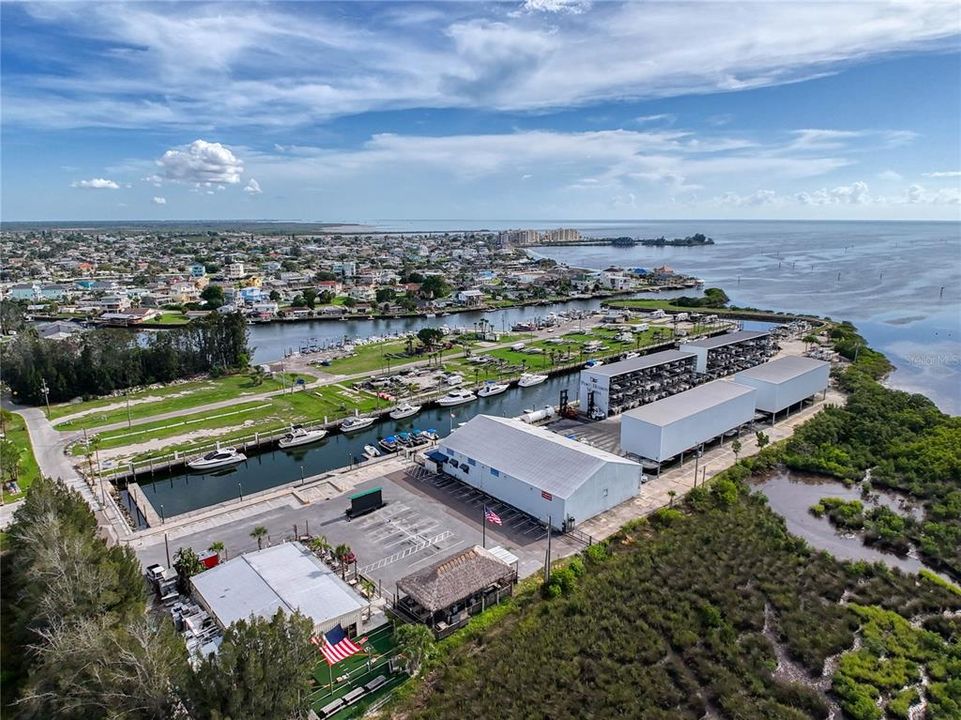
(301, 436)
(371, 452)
(457, 397)
(531, 379)
(492, 388)
(404, 410)
(221, 457)
(593, 364)
(356, 423)
(454, 379)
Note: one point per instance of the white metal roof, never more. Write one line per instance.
(703, 397)
(504, 555)
(284, 577)
(726, 339)
(782, 369)
(539, 457)
(623, 367)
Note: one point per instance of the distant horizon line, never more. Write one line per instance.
(371, 224)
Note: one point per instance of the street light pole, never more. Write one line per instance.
(46, 394)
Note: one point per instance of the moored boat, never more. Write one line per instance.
(404, 410)
(301, 436)
(356, 423)
(531, 379)
(389, 443)
(221, 457)
(457, 397)
(371, 451)
(492, 388)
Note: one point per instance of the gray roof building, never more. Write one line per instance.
(727, 339)
(284, 577)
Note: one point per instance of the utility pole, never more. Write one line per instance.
(547, 556)
(46, 394)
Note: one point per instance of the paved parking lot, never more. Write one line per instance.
(426, 518)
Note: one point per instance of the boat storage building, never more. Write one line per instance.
(786, 381)
(731, 352)
(536, 471)
(663, 429)
(613, 388)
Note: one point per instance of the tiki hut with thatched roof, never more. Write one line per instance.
(446, 594)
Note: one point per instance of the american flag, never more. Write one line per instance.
(335, 645)
(492, 517)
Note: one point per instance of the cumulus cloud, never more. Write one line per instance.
(252, 187)
(889, 175)
(96, 184)
(201, 163)
(854, 194)
(157, 200)
(756, 199)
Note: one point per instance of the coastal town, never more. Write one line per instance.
(136, 278)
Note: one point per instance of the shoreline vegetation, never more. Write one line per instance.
(696, 240)
(691, 610)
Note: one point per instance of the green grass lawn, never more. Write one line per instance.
(160, 429)
(265, 416)
(382, 643)
(15, 430)
(369, 358)
(170, 318)
(170, 398)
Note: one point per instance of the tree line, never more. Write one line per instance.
(80, 644)
(104, 361)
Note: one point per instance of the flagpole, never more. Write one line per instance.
(484, 526)
(330, 674)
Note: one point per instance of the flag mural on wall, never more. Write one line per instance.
(335, 645)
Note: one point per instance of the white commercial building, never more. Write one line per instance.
(537, 471)
(786, 381)
(284, 577)
(668, 427)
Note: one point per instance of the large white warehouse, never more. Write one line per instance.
(537, 471)
(665, 428)
(786, 381)
(726, 354)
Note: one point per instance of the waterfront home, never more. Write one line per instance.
(470, 298)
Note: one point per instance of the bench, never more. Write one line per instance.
(375, 683)
(353, 696)
(330, 708)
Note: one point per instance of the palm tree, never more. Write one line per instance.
(320, 545)
(415, 645)
(217, 547)
(672, 494)
(259, 533)
(342, 552)
(736, 447)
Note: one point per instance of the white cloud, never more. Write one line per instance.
(157, 200)
(756, 199)
(154, 180)
(96, 184)
(204, 66)
(854, 194)
(252, 187)
(944, 174)
(890, 175)
(666, 118)
(201, 163)
(574, 7)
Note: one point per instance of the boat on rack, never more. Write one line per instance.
(221, 457)
(492, 388)
(404, 410)
(430, 434)
(531, 379)
(301, 436)
(370, 451)
(457, 397)
(356, 423)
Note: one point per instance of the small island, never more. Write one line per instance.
(690, 241)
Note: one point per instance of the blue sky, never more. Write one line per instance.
(554, 109)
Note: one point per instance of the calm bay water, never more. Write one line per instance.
(885, 277)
